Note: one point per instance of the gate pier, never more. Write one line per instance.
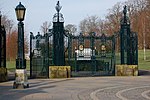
(3, 69)
(128, 49)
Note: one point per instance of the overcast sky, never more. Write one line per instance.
(39, 11)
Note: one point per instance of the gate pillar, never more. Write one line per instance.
(128, 49)
(3, 69)
(128, 42)
(58, 38)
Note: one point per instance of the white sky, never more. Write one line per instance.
(39, 11)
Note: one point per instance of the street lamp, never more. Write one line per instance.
(21, 73)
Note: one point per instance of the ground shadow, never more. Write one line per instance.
(144, 72)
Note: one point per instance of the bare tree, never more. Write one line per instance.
(83, 26)
(26, 44)
(114, 16)
(45, 26)
(71, 28)
(140, 18)
(90, 24)
(8, 23)
(11, 45)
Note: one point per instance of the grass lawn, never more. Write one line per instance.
(145, 65)
(11, 65)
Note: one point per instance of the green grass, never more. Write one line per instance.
(145, 65)
(11, 65)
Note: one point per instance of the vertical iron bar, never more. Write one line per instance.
(31, 54)
(0, 42)
(4, 47)
(47, 54)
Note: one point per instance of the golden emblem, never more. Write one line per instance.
(81, 47)
(103, 48)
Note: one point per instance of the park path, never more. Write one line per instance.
(89, 88)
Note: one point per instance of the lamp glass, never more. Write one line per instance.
(20, 12)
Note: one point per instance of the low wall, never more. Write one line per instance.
(3, 74)
(126, 70)
(59, 72)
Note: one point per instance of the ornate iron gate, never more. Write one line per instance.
(87, 54)
(91, 55)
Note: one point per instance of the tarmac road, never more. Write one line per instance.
(89, 88)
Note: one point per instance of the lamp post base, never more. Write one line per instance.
(21, 80)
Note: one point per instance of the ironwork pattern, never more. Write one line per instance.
(91, 55)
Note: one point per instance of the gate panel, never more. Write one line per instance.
(91, 55)
(39, 55)
(106, 55)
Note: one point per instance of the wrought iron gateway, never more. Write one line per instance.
(91, 55)
(88, 55)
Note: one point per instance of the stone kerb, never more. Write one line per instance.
(59, 72)
(126, 70)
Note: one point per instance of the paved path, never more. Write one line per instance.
(90, 88)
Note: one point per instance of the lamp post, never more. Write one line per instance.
(21, 73)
